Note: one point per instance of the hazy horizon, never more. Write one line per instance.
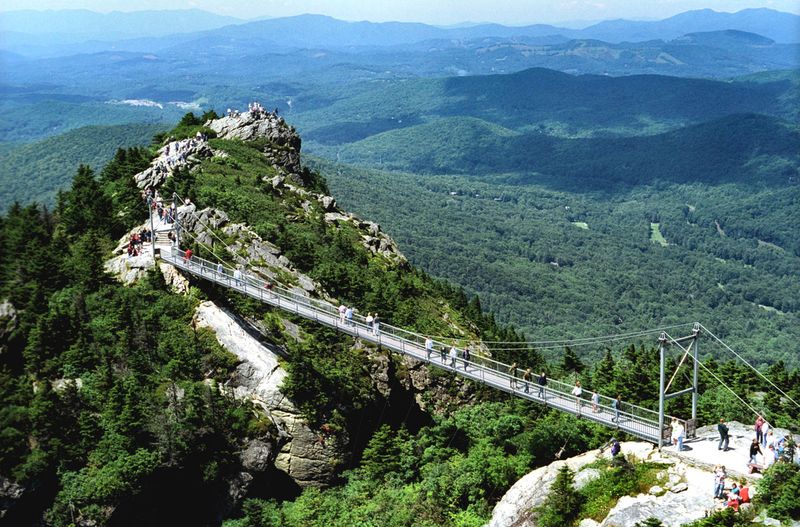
(573, 13)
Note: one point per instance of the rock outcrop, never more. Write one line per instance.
(174, 155)
(283, 147)
(684, 494)
(301, 452)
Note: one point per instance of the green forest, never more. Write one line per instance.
(111, 411)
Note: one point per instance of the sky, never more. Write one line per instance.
(442, 12)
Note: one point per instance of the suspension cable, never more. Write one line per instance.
(749, 365)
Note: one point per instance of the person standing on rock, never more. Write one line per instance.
(755, 449)
(428, 347)
(764, 433)
(759, 422)
(542, 382)
(723, 435)
(719, 482)
(677, 434)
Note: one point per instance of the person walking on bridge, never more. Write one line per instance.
(453, 355)
(348, 315)
(595, 402)
(542, 382)
(616, 404)
(467, 356)
(577, 391)
(512, 371)
(428, 347)
(376, 325)
(443, 353)
(526, 379)
(369, 320)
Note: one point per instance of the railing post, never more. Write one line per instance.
(662, 351)
(696, 341)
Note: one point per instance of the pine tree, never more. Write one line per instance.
(563, 502)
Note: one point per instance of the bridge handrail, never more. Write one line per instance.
(210, 270)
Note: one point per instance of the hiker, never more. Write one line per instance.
(512, 371)
(719, 482)
(376, 325)
(759, 422)
(755, 449)
(616, 448)
(342, 311)
(467, 356)
(348, 315)
(764, 433)
(443, 353)
(453, 355)
(526, 378)
(369, 321)
(723, 435)
(595, 402)
(616, 404)
(677, 434)
(220, 269)
(237, 276)
(577, 391)
(428, 347)
(187, 256)
(542, 382)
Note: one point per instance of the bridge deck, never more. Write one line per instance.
(634, 420)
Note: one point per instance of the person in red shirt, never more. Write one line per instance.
(187, 257)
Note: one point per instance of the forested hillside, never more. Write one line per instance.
(559, 261)
(37, 171)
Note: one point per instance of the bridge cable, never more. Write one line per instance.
(750, 365)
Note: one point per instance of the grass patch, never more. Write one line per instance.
(656, 236)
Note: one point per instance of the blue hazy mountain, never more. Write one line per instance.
(75, 25)
(59, 33)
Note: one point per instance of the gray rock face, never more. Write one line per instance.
(10, 494)
(304, 455)
(688, 499)
(8, 322)
(258, 456)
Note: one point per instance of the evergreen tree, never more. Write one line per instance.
(563, 502)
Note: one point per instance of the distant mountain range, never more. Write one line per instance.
(58, 33)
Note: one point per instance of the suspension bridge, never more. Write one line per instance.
(644, 423)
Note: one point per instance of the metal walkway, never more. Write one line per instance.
(634, 420)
